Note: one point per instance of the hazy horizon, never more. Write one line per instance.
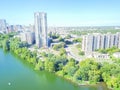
(62, 12)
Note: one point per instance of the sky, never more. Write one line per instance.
(62, 12)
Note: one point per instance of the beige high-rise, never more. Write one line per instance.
(40, 19)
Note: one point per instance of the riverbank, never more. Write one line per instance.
(22, 76)
(67, 79)
(69, 69)
(86, 83)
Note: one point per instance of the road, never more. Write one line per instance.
(72, 55)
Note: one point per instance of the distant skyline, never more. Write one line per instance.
(62, 12)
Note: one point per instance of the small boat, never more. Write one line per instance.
(9, 83)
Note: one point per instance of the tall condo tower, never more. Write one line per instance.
(40, 19)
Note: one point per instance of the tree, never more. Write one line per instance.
(61, 39)
(49, 65)
(94, 76)
(43, 54)
(68, 42)
(70, 68)
(62, 51)
(68, 36)
(55, 36)
(58, 46)
(78, 76)
(81, 53)
(5, 45)
(39, 65)
(77, 40)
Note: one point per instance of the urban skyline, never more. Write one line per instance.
(60, 44)
(63, 13)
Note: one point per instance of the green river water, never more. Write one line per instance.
(16, 74)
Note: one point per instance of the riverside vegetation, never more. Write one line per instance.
(85, 72)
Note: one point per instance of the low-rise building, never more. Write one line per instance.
(97, 55)
(116, 55)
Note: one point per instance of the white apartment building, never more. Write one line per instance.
(3, 25)
(92, 42)
(28, 37)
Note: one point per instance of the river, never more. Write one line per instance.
(16, 74)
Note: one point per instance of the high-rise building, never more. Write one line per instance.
(92, 42)
(3, 25)
(87, 43)
(40, 19)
